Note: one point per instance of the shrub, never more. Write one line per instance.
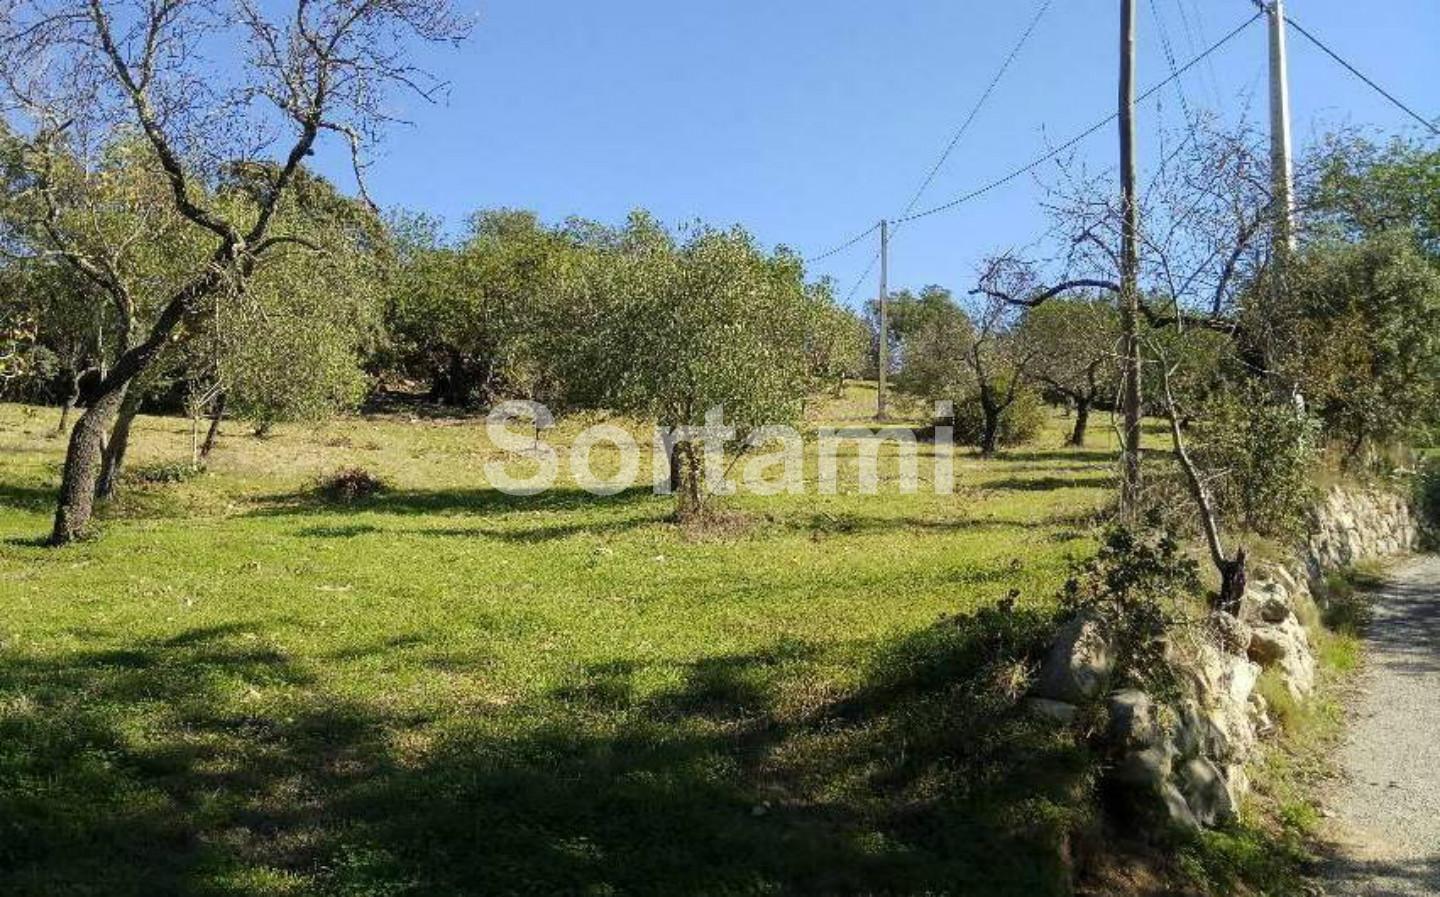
(1019, 424)
(350, 484)
(1267, 450)
(162, 473)
(1427, 492)
(1135, 584)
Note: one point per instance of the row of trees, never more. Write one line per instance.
(161, 235)
(1258, 354)
(1345, 323)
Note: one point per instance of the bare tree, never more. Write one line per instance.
(1206, 209)
(1232, 570)
(85, 73)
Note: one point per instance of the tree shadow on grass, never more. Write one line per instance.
(210, 763)
(424, 502)
(1090, 456)
(38, 499)
(133, 771)
(1048, 484)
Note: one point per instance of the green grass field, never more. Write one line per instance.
(241, 689)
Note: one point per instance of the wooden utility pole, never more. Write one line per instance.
(1129, 266)
(880, 410)
(1281, 166)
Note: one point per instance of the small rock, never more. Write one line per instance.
(1274, 609)
(1133, 719)
(1206, 792)
(1147, 768)
(1056, 711)
(1177, 809)
(1079, 664)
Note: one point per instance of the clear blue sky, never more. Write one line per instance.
(808, 120)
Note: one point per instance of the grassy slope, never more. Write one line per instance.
(240, 690)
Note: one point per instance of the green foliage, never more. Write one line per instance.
(1263, 453)
(910, 315)
(1366, 346)
(1427, 491)
(162, 473)
(1136, 584)
(1021, 421)
(471, 318)
(1365, 190)
(1073, 341)
(837, 342)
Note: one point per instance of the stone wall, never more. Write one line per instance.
(1184, 760)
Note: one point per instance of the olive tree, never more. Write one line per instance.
(1367, 339)
(85, 73)
(837, 341)
(1075, 346)
(978, 360)
(292, 346)
(703, 322)
(465, 316)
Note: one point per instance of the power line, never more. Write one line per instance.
(1170, 57)
(979, 104)
(954, 139)
(861, 279)
(843, 246)
(1357, 73)
(1031, 166)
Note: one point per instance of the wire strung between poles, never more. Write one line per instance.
(1073, 141)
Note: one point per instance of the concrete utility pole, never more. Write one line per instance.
(1281, 166)
(1129, 265)
(880, 410)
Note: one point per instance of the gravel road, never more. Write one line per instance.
(1388, 812)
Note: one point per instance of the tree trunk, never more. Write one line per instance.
(672, 455)
(1232, 584)
(1082, 421)
(115, 449)
(214, 432)
(83, 459)
(70, 401)
(990, 438)
(689, 495)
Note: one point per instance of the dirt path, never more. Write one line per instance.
(1389, 809)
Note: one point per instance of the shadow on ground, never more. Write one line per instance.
(212, 762)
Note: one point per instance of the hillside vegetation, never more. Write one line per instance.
(242, 688)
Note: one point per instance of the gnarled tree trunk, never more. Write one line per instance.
(990, 435)
(1082, 422)
(114, 456)
(83, 460)
(214, 432)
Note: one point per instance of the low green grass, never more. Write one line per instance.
(241, 688)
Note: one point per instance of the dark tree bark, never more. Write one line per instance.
(990, 432)
(689, 485)
(83, 460)
(216, 415)
(672, 456)
(70, 402)
(113, 460)
(1082, 421)
(1232, 584)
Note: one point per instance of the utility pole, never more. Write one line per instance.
(880, 411)
(1129, 266)
(1281, 166)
